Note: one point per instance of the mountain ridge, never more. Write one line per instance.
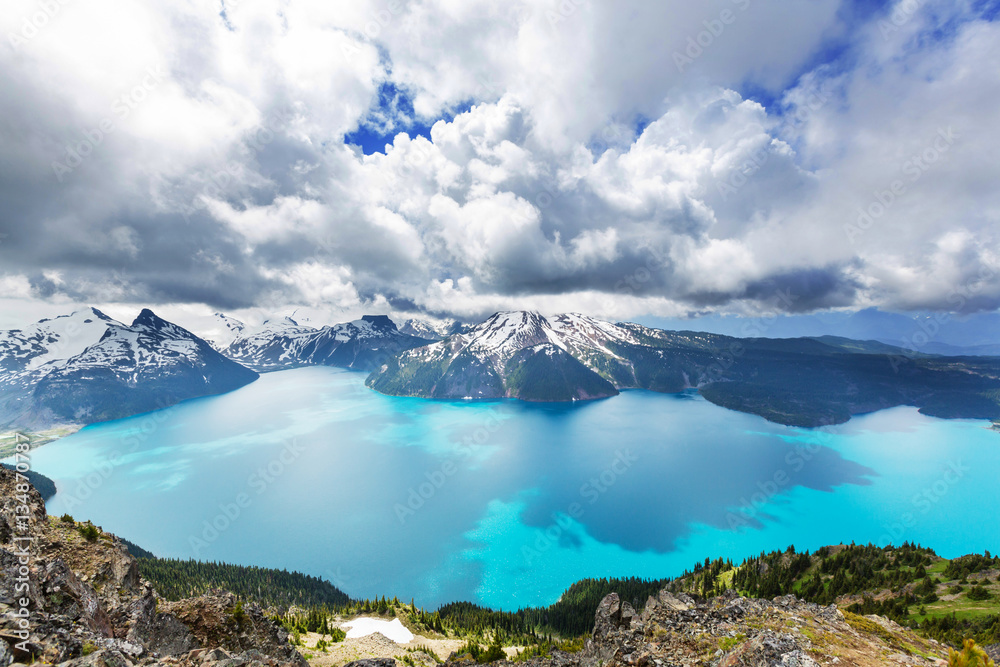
(797, 382)
(52, 377)
(361, 344)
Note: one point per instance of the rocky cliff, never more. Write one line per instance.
(72, 598)
(732, 631)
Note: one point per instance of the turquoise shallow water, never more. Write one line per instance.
(507, 503)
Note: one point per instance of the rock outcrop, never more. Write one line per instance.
(676, 630)
(79, 602)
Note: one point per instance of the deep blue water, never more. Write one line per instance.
(507, 503)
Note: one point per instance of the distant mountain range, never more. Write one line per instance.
(930, 333)
(802, 381)
(364, 344)
(87, 367)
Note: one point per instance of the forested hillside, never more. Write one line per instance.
(179, 579)
(948, 600)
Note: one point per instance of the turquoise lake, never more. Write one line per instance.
(507, 503)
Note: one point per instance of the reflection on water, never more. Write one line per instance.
(502, 502)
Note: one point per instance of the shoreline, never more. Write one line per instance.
(36, 439)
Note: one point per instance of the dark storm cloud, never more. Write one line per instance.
(806, 290)
(182, 158)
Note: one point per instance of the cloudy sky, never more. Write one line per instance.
(456, 157)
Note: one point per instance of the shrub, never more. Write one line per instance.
(239, 615)
(337, 635)
(492, 653)
(67, 518)
(970, 656)
(978, 593)
(89, 532)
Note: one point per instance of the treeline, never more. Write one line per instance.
(571, 616)
(859, 570)
(951, 630)
(960, 568)
(179, 579)
(318, 600)
(827, 574)
(821, 577)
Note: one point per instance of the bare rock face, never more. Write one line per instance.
(373, 662)
(219, 620)
(732, 631)
(676, 630)
(88, 606)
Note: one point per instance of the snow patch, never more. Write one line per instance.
(362, 627)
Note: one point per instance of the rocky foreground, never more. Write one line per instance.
(729, 630)
(72, 601)
(732, 631)
(80, 602)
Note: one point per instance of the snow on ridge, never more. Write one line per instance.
(51, 341)
(231, 329)
(505, 333)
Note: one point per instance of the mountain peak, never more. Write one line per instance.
(282, 322)
(147, 318)
(379, 321)
(99, 315)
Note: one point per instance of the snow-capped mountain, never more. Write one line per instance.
(516, 354)
(275, 345)
(281, 344)
(225, 330)
(27, 352)
(432, 330)
(803, 382)
(87, 367)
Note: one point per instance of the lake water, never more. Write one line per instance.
(507, 503)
